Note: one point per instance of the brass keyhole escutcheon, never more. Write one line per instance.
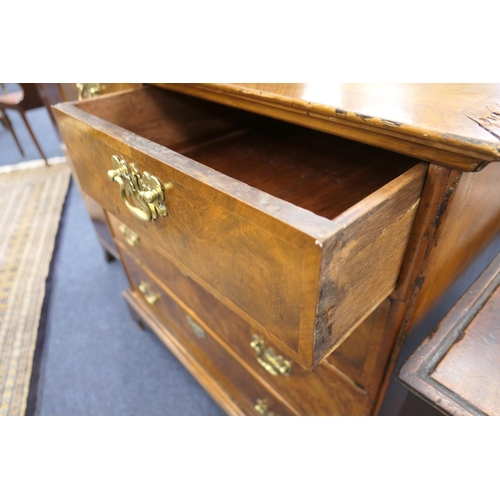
(197, 329)
(146, 192)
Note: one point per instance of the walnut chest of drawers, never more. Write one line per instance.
(279, 259)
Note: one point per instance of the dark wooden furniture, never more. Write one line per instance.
(4, 118)
(54, 93)
(282, 240)
(457, 369)
(22, 101)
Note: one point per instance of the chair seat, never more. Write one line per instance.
(11, 100)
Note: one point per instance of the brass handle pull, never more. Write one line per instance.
(130, 237)
(88, 90)
(262, 409)
(273, 364)
(146, 190)
(150, 296)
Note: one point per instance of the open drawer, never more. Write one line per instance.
(299, 232)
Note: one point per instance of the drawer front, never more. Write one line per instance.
(326, 391)
(240, 385)
(100, 224)
(302, 281)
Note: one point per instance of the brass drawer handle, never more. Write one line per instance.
(146, 190)
(150, 296)
(88, 90)
(130, 237)
(275, 365)
(262, 409)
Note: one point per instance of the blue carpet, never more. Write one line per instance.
(95, 359)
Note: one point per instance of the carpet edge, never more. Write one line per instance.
(32, 398)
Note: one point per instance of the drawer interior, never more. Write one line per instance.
(313, 170)
(299, 232)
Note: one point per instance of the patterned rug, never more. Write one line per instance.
(31, 201)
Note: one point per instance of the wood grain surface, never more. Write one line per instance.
(459, 215)
(326, 391)
(303, 234)
(457, 369)
(101, 226)
(454, 125)
(69, 91)
(209, 356)
(364, 354)
(361, 264)
(303, 280)
(465, 225)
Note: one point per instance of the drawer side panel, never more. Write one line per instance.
(362, 263)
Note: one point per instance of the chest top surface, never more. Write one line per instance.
(453, 125)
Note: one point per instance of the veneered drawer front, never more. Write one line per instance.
(326, 391)
(242, 386)
(303, 281)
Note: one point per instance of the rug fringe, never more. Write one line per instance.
(32, 164)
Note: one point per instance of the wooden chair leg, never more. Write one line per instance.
(33, 135)
(8, 124)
